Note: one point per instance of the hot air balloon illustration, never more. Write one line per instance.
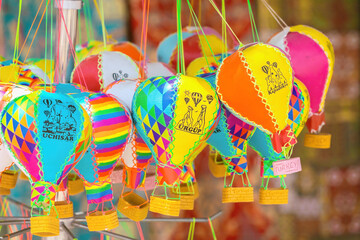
(312, 58)
(111, 125)
(196, 97)
(173, 129)
(8, 179)
(45, 147)
(263, 83)
(299, 106)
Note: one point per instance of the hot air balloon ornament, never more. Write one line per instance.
(312, 57)
(230, 140)
(263, 83)
(111, 125)
(46, 134)
(174, 117)
(277, 165)
(73, 184)
(96, 72)
(135, 159)
(16, 72)
(9, 176)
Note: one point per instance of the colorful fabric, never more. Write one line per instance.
(46, 133)
(99, 193)
(134, 177)
(261, 97)
(312, 57)
(230, 136)
(16, 72)
(9, 92)
(98, 71)
(174, 115)
(111, 128)
(42, 195)
(299, 106)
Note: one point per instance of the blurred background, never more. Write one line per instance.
(324, 199)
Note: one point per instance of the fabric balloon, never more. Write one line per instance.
(312, 57)
(9, 92)
(43, 68)
(96, 72)
(111, 129)
(137, 155)
(46, 134)
(299, 107)
(174, 116)
(262, 76)
(19, 73)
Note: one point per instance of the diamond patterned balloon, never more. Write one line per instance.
(174, 116)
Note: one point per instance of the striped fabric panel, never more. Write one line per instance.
(99, 193)
(143, 153)
(111, 126)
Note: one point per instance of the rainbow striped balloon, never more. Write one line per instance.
(111, 129)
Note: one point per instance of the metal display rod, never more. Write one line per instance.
(77, 220)
(66, 27)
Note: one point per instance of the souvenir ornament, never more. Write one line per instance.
(12, 71)
(135, 159)
(299, 107)
(263, 83)
(43, 68)
(8, 92)
(230, 140)
(82, 50)
(46, 134)
(111, 125)
(174, 115)
(127, 48)
(96, 72)
(312, 57)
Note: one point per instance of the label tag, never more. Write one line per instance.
(288, 166)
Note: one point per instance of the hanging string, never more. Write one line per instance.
(191, 230)
(253, 24)
(103, 23)
(278, 19)
(223, 30)
(198, 26)
(36, 31)
(227, 24)
(32, 24)
(72, 49)
(192, 4)
(212, 229)
(46, 36)
(140, 230)
(16, 47)
(143, 38)
(100, 15)
(51, 42)
(87, 14)
(79, 26)
(180, 46)
(199, 12)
